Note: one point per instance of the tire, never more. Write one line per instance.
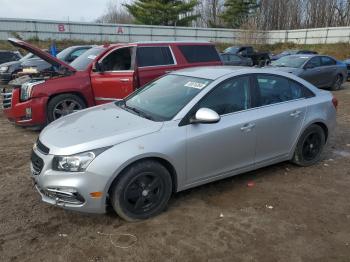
(310, 146)
(132, 196)
(337, 83)
(62, 105)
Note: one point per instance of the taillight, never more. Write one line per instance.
(335, 102)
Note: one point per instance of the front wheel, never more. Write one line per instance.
(62, 105)
(142, 191)
(310, 146)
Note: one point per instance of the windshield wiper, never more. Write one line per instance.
(122, 104)
(137, 111)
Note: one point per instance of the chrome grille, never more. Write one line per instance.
(6, 100)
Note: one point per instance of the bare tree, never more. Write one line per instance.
(115, 13)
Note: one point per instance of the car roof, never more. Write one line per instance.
(305, 55)
(211, 72)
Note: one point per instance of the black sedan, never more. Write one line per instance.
(235, 60)
(320, 70)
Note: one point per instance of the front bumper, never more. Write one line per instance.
(5, 78)
(31, 113)
(68, 190)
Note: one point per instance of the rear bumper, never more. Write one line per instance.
(31, 113)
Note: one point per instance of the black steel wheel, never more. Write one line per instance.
(142, 191)
(310, 146)
(63, 105)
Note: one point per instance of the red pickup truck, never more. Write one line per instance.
(102, 74)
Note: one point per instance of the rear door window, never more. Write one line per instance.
(199, 53)
(327, 61)
(154, 56)
(314, 62)
(276, 89)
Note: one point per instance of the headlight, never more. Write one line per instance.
(27, 88)
(4, 69)
(76, 163)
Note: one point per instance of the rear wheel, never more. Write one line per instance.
(142, 191)
(337, 83)
(310, 146)
(63, 105)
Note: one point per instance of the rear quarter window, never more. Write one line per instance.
(199, 53)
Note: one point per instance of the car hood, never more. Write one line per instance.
(42, 54)
(93, 128)
(291, 70)
(34, 62)
(12, 63)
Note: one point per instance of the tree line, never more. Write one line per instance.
(240, 14)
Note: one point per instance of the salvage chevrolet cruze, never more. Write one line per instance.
(185, 129)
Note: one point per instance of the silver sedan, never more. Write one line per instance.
(185, 129)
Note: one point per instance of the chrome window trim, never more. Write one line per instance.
(106, 99)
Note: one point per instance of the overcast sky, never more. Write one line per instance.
(76, 10)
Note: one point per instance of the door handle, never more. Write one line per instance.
(247, 127)
(295, 113)
(124, 80)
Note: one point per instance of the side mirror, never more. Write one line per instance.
(98, 67)
(205, 116)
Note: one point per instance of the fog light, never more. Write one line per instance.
(28, 112)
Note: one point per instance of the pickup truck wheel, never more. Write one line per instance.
(337, 83)
(142, 191)
(310, 146)
(63, 105)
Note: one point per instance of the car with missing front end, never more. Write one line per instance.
(185, 129)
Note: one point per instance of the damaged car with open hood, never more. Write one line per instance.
(102, 74)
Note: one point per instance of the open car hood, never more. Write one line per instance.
(42, 54)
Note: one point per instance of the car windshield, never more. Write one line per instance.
(231, 49)
(62, 55)
(162, 99)
(290, 61)
(83, 61)
(26, 57)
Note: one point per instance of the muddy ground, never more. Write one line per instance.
(290, 214)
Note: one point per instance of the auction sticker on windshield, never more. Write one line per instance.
(196, 85)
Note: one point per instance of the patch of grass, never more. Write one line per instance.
(340, 50)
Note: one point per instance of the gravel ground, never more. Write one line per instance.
(289, 214)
